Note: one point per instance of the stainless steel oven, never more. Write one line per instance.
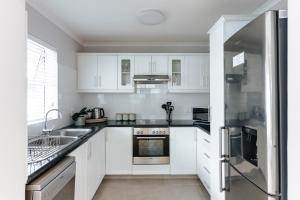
(151, 146)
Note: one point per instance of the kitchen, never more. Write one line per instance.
(132, 115)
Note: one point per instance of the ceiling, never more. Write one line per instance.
(116, 20)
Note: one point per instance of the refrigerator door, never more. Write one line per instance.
(251, 99)
(242, 189)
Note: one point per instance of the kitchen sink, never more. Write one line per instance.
(50, 141)
(72, 132)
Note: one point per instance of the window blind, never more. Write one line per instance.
(42, 78)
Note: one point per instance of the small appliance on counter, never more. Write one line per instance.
(80, 117)
(89, 116)
(168, 108)
(98, 115)
(201, 115)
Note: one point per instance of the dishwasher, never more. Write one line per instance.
(58, 183)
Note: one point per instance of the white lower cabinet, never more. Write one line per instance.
(183, 150)
(203, 158)
(119, 150)
(90, 166)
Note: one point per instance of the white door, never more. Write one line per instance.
(183, 150)
(176, 72)
(95, 157)
(142, 65)
(125, 72)
(108, 72)
(80, 155)
(199, 154)
(196, 72)
(119, 150)
(87, 72)
(160, 65)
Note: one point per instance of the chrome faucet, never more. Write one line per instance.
(46, 130)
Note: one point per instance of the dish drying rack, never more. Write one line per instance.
(43, 148)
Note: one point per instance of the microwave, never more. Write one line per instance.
(201, 114)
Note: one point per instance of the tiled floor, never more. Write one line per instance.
(151, 188)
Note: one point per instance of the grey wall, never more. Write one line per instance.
(69, 100)
(147, 49)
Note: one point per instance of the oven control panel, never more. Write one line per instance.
(151, 131)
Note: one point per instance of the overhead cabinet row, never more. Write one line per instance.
(114, 73)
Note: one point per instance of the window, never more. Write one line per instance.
(42, 92)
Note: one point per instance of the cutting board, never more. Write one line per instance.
(91, 121)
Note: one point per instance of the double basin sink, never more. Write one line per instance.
(45, 146)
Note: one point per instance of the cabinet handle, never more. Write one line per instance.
(206, 140)
(206, 170)
(95, 81)
(150, 68)
(206, 155)
(99, 81)
(89, 151)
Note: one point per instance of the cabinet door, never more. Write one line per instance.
(95, 159)
(176, 65)
(125, 72)
(80, 155)
(199, 154)
(108, 72)
(142, 65)
(160, 65)
(183, 150)
(87, 72)
(119, 150)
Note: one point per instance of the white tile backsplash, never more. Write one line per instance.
(146, 106)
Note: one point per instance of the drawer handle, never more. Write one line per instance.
(206, 140)
(206, 170)
(206, 155)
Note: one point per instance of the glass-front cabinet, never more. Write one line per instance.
(176, 65)
(125, 72)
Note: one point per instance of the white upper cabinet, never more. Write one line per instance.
(160, 65)
(108, 72)
(97, 73)
(113, 73)
(143, 65)
(125, 72)
(189, 73)
(197, 72)
(176, 66)
(87, 72)
(151, 65)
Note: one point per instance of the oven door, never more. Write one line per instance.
(151, 149)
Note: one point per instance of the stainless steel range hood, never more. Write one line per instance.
(151, 79)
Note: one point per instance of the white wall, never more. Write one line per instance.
(293, 100)
(146, 106)
(69, 100)
(13, 100)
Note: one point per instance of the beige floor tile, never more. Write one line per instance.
(151, 188)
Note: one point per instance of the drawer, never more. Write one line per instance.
(205, 177)
(205, 144)
(205, 158)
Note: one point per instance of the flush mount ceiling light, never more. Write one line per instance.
(151, 17)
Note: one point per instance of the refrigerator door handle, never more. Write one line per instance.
(221, 142)
(224, 187)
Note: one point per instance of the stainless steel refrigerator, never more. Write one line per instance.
(253, 140)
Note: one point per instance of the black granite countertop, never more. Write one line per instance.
(35, 170)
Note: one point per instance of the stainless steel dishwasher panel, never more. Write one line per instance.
(55, 184)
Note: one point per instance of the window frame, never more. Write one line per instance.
(53, 116)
